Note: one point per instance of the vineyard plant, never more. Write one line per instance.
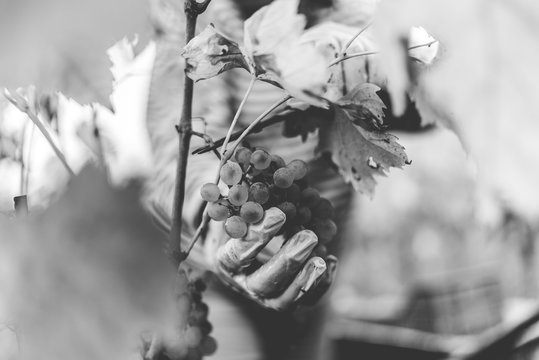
(124, 220)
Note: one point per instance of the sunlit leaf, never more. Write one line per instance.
(123, 133)
(273, 44)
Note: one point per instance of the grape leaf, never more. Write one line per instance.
(364, 106)
(124, 136)
(358, 153)
(330, 38)
(210, 53)
(303, 122)
(272, 40)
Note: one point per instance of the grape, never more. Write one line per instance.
(277, 161)
(210, 192)
(276, 195)
(260, 159)
(199, 285)
(208, 346)
(304, 215)
(283, 178)
(310, 197)
(299, 167)
(293, 193)
(235, 227)
(218, 211)
(231, 173)
(238, 194)
(198, 313)
(324, 209)
(192, 321)
(325, 229)
(251, 212)
(206, 327)
(320, 251)
(259, 192)
(243, 156)
(193, 336)
(289, 210)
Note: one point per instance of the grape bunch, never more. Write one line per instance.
(258, 181)
(194, 314)
(194, 341)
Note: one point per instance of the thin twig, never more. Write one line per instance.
(208, 140)
(259, 127)
(365, 53)
(236, 117)
(422, 45)
(254, 123)
(351, 56)
(349, 43)
(35, 119)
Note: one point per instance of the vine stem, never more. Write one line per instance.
(25, 108)
(192, 10)
(227, 154)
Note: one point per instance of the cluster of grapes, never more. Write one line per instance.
(194, 341)
(194, 318)
(258, 181)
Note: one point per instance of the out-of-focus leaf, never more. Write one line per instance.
(83, 278)
(485, 84)
(58, 44)
(272, 40)
(360, 154)
(330, 38)
(272, 26)
(44, 176)
(126, 144)
(364, 106)
(210, 53)
(419, 37)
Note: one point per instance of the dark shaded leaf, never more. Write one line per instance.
(303, 122)
(364, 106)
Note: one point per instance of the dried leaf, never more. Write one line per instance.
(364, 106)
(210, 53)
(360, 154)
